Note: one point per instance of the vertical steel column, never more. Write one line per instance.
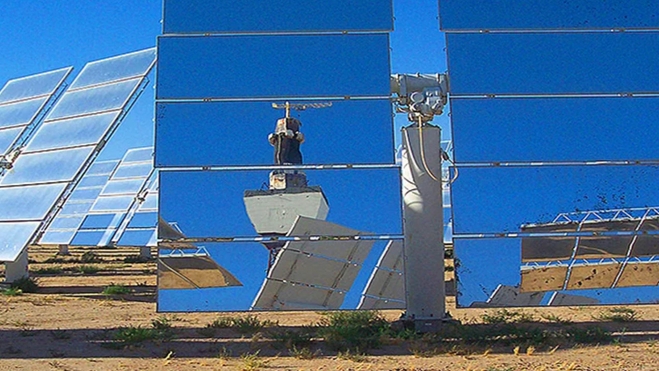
(423, 226)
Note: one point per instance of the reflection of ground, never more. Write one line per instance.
(590, 260)
(31, 341)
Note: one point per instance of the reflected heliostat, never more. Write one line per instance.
(555, 125)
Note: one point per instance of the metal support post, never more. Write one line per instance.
(17, 269)
(423, 227)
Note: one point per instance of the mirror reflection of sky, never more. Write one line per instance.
(531, 99)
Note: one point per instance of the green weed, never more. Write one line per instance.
(352, 330)
(617, 314)
(113, 289)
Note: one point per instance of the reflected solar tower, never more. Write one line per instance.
(221, 68)
(63, 147)
(552, 111)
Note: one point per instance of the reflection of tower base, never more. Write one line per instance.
(274, 211)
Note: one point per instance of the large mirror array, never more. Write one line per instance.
(555, 169)
(58, 133)
(275, 149)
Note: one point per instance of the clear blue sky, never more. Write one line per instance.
(44, 35)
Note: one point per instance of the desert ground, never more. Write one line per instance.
(71, 324)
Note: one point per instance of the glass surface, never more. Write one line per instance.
(93, 181)
(16, 236)
(570, 129)
(138, 63)
(542, 14)
(151, 202)
(478, 282)
(71, 208)
(8, 137)
(145, 237)
(20, 113)
(332, 135)
(56, 237)
(29, 202)
(59, 165)
(92, 238)
(133, 171)
(72, 132)
(102, 167)
(85, 193)
(137, 154)
(117, 187)
(143, 220)
(113, 203)
(273, 66)
(527, 63)
(102, 98)
(66, 222)
(366, 200)
(34, 85)
(503, 199)
(248, 263)
(102, 221)
(204, 16)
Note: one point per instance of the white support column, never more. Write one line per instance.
(423, 227)
(17, 269)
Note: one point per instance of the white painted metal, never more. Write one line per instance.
(276, 212)
(17, 269)
(423, 223)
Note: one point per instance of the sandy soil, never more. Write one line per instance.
(64, 327)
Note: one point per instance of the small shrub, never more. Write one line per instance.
(352, 330)
(618, 314)
(252, 361)
(555, 319)
(88, 269)
(208, 331)
(25, 284)
(161, 323)
(12, 291)
(506, 316)
(249, 324)
(49, 270)
(116, 290)
(134, 335)
(355, 356)
(292, 339)
(303, 353)
(90, 257)
(590, 335)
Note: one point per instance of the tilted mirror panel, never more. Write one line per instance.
(133, 170)
(232, 276)
(365, 200)
(20, 113)
(505, 199)
(138, 154)
(97, 99)
(113, 203)
(583, 281)
(8, 137)
(523, 63)
(120, 187)
(284, 66)
(333, 134)
(15, 236)
(457, 15)
(204, 16)
(28, 202)
(34, 85)
(570, 129)
(116, 68)
(59, 165)
(72, 132)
